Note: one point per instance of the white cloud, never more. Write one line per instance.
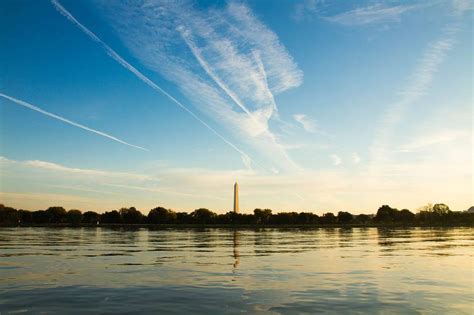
(371, 14)
(307, 9)
(6, 164)
(45, 198)
(437, 138)
(307, 123)
(227, 62)
(67, 121)
(113, 54)
(462, 6)
(417, 87)
(81, 171)
(336, 159)
(165, 191)
(378, 13)
(355, 158)
(81, 188)
(247, 162)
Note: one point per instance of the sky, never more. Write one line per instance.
(310, 105)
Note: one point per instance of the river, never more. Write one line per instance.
(225, 271)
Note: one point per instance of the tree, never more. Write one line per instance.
(344, 217)
(203, 216)
(74, 216)
(285, 218)
(56, 214)
(308, 218)
(232, 217)
(111, 217)
(386, 214)
(328, 218)
(405, 216)
(262, 216)
(441, 209)
(131, 215)
(40, 217)
(25, 216)
(183, 218)
(362, 218)
(8, 215)
(90, 217)
(161, 215)
(426, 208)
(437, 214)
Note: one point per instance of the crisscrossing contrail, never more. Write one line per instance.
(140, 75)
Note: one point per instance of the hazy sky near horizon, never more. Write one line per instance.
(311, 105)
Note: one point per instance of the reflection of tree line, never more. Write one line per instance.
(391, 240)
(439, 214)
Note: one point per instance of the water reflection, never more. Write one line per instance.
(226, 271)
(345, 237)
(236, 244)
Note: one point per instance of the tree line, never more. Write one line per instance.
(438, 214)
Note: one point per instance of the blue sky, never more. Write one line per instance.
(311, 105)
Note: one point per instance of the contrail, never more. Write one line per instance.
(137, 73)
(67, 121)
(197, 54)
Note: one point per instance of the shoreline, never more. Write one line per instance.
(231, 226)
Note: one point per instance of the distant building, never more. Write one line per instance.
(236, 197)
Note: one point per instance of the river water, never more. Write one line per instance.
(219, 271)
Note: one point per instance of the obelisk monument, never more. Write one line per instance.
(236, 197)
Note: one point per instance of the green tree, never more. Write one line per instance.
(90, 217)
(362, 218)
(74, 216)
(25, 216)
(203, 216)
(262, 216)
(437, 214)
(56, 214)
(111, 217)
(286, 218)
(308, 218)
(234, 218)
(160, 215)
(40, 217)
(131, 215)
(405, 216)
(183, 218)
(386, 214)
(328, 218)
(441, 209)
(344, 217)
(426, 208)
(9, 216)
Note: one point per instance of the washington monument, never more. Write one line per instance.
(236, 197)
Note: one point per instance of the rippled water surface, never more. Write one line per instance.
(359, 270)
